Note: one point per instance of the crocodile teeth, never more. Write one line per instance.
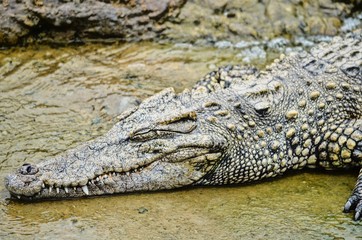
(66, 189)
(50, 189)
(18, 196)
(85, 189)
(57, 190)
(43, 185)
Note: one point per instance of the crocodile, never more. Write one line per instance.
(236, 125)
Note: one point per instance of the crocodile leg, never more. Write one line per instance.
(355, 200)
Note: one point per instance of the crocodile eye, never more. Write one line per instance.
(143, 135)
(146, 134)
(167, 128)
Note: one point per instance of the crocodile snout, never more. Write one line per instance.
(28, 169)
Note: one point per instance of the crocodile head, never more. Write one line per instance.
(164, 143)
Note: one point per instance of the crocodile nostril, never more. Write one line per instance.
(28, 169)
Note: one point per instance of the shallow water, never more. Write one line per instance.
(54, 98)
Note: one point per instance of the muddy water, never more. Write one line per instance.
(53, 98)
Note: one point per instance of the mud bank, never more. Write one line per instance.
(63, 21)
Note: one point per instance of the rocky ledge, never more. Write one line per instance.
(65, 21)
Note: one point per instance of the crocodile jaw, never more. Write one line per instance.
(90, 170)
(149, 178)
(170, 152)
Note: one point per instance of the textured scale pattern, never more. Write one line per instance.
(311, 109)
(236, 125)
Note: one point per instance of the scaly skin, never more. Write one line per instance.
(237, 125)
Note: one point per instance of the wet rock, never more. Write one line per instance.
(350, 24)
(328, 26)
(278, 43)
(172, 20)
(320, 38)
(282, 17)
(250, 54)
(142, 210)
(242, 30)
(183, 45)
(216, 6)
(67, 21)
(223, 44)
(253, 19)
(289, 50)
(246, 44)
(303, 42)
